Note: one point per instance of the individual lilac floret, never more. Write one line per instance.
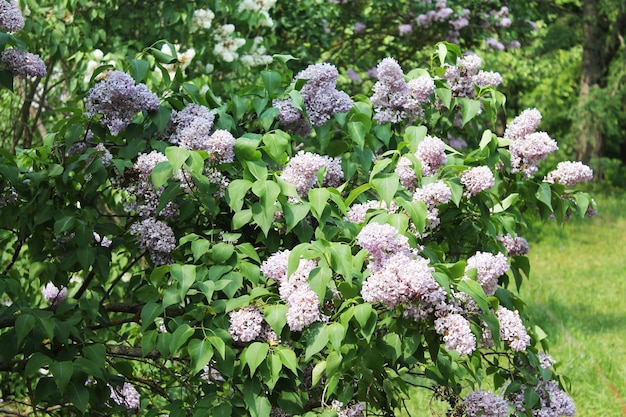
(23, 64)
(489, 268)
(382, 241)
(515, 246)
(570, 173)
(477, 179)
(512, 329)
(245, 324)
(155, 237)
(221, 145)
(301, 171)
(485, 404)
(118, 100)
(524, 124)
(54, 295)
(190, 127)
(553, 401)
(431, 153)
(11, 18)
(457, 333)
(126, 396)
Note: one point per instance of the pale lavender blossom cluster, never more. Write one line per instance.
(190, 127)
(382, 241)
(529, 147)
(23, 64)
(570, 173)
(457, 333)
(396, 100)
(433, 195)
(408, 280)
(515, 246)
(126, 396)
(54, 295)
(485, 404)
(103, 241)
(358, 212)
(245, 324)
(431, 153)
(546, 361)
(476, 180)
(221, 146)
(155, 237)
(118, 100)
(489, 268)
(301, 171)
(553, 401)
(444, 14)
(275, 267)
(321, 99)
(355, 410)
(406, 173)
(11, 19)
(304, 308)
(466, 74)
(512, 329)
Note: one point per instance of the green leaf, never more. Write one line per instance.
(62, 372)
(185, 275)
(316, 340)
(473, 289)
(255, 354)
(288, 358)
(180, 336)
(318, 373)
(271, 81)
(318, 198)
(78, 394)
(336, 334)
(486, 139)
(200, 352)
(138, 69)
(176, 156)
(414, 135)
(469, 109)
(294, 213)
(23, 325)
(276, 316)
(149, 312)
(222, 252)
(64, 224)
(236, 192)
(544, 194)
(357, 132)
(219, 345)
(386, 185)
(276, 145)
(161, 173)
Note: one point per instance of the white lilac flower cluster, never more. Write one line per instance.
(11, 19)
(155, 237)
(202, 19)
(355, 410)
(489, 268)
(226, 45)
(529, 147)
(118, 100)
(302, 302)
(433, 195)
(553, 401)
(321, 99)
(466, 74)
(247, 325)
(396, 100)
(261, 7)
(431, 155)
(302, 169)
(256, 55)
(570, 173)
(512, 329)
(127, 396)
(476, 180)
(382, 241)
(23, 64)
(515, 246)
(485, 404)
(54, 295)
(183, 59)
(457, 333)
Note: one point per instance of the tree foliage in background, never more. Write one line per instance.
(217, 232)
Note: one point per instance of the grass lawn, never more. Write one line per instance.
(577, 293)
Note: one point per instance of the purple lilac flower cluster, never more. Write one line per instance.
(190, 127)
(396, 100)
(355, 410)
(245, 324)
(301, 171)
(358, 212)
(553, 401)
(54, 295)
(382, 241)
(431, 153)
(442, 14)
(11, 19)
(155, 237)
(321, 99)
(512, 329)
(489, 268)
(126, 396)
(457, 333)
(515, 246)
(529, 147)
(485, 404)
(466, 74)
(570, 173)
(433, 195)
(118, 100)
(23, 64)
(476, 180)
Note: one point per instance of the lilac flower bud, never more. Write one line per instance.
(23, 64)
(570, 173)
(527, 152)
(11, 19)
(303, 310)
(477, 179)
(382, 241)
(190, 127)
(275, 267)
(54, 295)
